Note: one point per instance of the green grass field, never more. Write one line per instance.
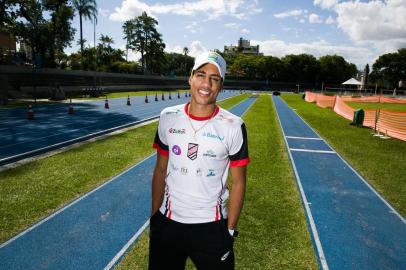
(273, 229)
(380, 162)
(387, 106)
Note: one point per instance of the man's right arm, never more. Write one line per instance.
(158, 182)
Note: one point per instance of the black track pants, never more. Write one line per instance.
(209, 245)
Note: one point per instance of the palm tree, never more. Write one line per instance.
(88, 10)
(185, 52)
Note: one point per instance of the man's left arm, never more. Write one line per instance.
(239, 176)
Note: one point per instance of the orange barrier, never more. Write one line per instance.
(325, 101)
(388, 122)
(392, 123)
(343, 109)
(375, 99)
(310, 97)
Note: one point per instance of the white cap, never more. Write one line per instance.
(212, 58)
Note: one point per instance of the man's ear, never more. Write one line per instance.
(190, 80)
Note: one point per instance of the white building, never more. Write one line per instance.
(243, 47)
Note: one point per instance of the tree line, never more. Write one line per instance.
(46, 27)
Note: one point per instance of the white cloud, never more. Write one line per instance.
(330, 20)
(354, 54)
(212, 9)
(193, 28)
(232, 25)
(292, 13)
(103, 12)
(314, 18)
(325, 4)
(380, 23)
(237, 26)
(195, 48)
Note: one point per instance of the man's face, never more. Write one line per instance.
(205, 84)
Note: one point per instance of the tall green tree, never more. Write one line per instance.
(60, 29)
(185, 52)
(86, 9)
(301, 68)
(142, 36)
(390, 68)
(334, 69)
(128, 30)
(8, 14)
(106, 53)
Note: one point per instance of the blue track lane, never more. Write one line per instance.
(352, 226)
(90, 232)
(53, 127)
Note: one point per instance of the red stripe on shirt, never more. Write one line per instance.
(239, 163)
(217, 212)
(197, 118)
(160, 150)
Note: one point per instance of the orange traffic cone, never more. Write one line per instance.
(185, 94)
(128, 101)
(163, 96)
(106, 104)
(170, 97)
(156, 96)
(70, 109)
(178, 95)
(30, 113)
(146, 98)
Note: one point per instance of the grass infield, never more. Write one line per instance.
(35, 190)
(273, 229)
(380, 162)
(369, 105)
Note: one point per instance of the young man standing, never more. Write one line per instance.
(197, 144)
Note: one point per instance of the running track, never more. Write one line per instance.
(94, 231)
(53, 127)
(352, 226)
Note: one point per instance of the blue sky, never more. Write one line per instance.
(359, 31)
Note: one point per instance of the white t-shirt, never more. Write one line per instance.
(196, 190)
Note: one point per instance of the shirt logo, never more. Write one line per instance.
(199, 172)
(211, 173)
(210, 153)
(176, 150)
(177, 131)
(213, 136)
(192, 151)
(173, 112)
(183, 170)
(174, 167)
(225, 118)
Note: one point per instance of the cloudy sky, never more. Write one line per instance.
(359, 31)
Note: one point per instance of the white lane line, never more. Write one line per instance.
(120, 254)
(304, 138)
(312, 151)
(72, 203)
(306, 204)
(392, 210)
